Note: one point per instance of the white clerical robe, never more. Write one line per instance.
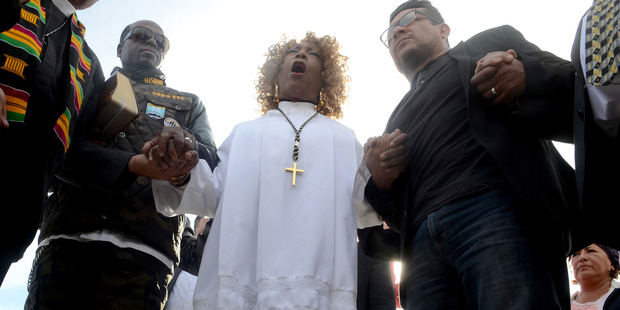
(274, 245)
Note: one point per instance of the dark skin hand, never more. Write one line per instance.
(503, 72)
(386, 157)
(171, 155)
(172, 142)
(4, 123)
(140, 165)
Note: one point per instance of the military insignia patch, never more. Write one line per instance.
(171, 122)
(155, 112)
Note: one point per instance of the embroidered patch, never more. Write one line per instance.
(171, 122)
(155, 112)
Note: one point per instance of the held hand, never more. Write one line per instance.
(171, 143)
(161, 167)
(141, 165)
(181, 174)
(150, 150)
(386, 157)
(396, 157)
(4, 122)
(500, 77)
(494, 59)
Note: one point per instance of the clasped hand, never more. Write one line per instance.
(386, 157)
(500, 76)
(171, 155)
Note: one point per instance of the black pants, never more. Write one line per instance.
(70, 274)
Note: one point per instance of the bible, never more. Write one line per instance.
(117, 108)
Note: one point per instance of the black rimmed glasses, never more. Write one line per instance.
(407, 19)
(144, 34)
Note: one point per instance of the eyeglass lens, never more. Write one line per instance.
(144, 34)
(403, 22)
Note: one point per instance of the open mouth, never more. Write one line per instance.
(298, 67)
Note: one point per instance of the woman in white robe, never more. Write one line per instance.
(283, 239)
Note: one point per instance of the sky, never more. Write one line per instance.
(218, 45)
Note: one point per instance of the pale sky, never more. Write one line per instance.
(218, 45)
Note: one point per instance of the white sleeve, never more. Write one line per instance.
(366, 215)
(196, 197)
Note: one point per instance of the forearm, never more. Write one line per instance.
(547, 74)
(383, 203)
(544, 100)
(546, 107)
(91, 165)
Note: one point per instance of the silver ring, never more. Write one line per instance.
(494, 91)
(188, 139)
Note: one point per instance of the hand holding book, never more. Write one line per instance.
(118, 106)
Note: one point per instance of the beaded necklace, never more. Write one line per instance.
(294, 169)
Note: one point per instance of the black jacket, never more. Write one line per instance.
(519, 143)
(95, 190)
(613, 300)
(597, 167)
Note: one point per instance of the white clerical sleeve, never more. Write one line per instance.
(200, 196)
(167, 197)
(365, 214)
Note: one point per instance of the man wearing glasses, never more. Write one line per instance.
(103, 245)
(481, 214)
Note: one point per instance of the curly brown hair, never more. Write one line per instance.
(335, 82)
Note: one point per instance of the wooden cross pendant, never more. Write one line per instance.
(294, 170)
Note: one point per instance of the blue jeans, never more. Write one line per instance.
(483, 252)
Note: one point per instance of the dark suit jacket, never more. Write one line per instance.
(597, 164)
(517, 141)
(520, 142)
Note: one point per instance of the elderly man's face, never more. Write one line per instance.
(138, 52)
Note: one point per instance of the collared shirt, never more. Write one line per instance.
(605, 100)
(65, 7)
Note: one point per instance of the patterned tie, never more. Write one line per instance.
(602, 42)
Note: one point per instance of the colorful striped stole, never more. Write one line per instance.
(80, 65)
(22, 50)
